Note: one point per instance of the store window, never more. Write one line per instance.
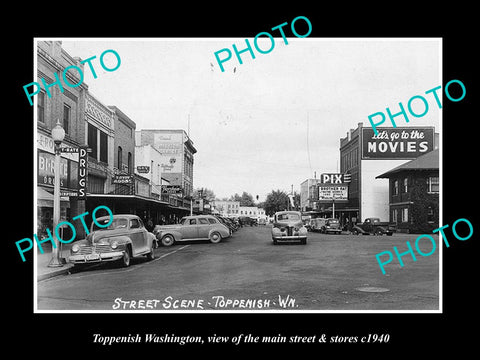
(433, 184)
(95, 184)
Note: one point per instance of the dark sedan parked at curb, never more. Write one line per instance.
(288, 226)
(124, 238)
(196, 227)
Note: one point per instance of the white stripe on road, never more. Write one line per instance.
(165, 255)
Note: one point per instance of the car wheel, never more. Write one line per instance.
(125, 260)
(151, 254)
(355, 232)
(379, 232)
(168, 240)
(304, 241)
(215, 237)
(275, 242)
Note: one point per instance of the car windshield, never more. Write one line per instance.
(281, 217)
(182, 221)
(116, 224)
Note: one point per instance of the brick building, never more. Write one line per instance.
(414, 189)
(67, 106)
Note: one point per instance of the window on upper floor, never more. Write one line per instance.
(41, 107)
(66, 118)
(433, 184)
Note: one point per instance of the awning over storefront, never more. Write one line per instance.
(45, 199)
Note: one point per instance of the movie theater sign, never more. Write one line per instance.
(397, 143)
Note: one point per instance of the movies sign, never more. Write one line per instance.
(397, 143)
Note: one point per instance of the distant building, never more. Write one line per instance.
(227, 208)
(309, 195)
(176, 151)
(252, 211)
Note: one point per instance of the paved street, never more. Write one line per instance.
(247, 272)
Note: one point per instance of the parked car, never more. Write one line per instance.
(329, 225)
(316, 224)
(247, 220)
(262, 221)
(124, 238)
(196, 227)
(373, 226)
(288, 226)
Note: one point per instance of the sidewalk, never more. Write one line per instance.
(45, 272)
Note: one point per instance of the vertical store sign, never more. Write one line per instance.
(82, 172)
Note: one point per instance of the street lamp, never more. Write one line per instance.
(58, 134)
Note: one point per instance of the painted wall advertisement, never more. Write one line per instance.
(170, 147)
(397, 143)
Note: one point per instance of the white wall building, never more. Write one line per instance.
(227, 208)
(146, 156)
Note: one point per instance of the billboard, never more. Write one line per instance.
(328, 193)
(397, 143)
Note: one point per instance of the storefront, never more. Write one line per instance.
(45, 181)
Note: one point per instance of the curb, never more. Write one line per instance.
(60, 271)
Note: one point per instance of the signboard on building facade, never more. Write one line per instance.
(328, 193)
(143, 169)
(397, 143)
(172, 189)
(45, 173)
(122, 179)
(82, 172)
(335, 178)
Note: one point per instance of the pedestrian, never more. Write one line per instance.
(149, 226)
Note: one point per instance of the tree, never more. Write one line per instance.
(245, 199)
(276, 201)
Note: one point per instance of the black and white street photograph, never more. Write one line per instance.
(218, 179)
(280, 173)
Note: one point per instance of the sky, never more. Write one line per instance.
(273, 121)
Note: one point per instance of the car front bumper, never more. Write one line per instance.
(289, 238)
(95, 257)
(333, 231)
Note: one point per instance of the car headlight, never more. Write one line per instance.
(114, 244)
(75, 248)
